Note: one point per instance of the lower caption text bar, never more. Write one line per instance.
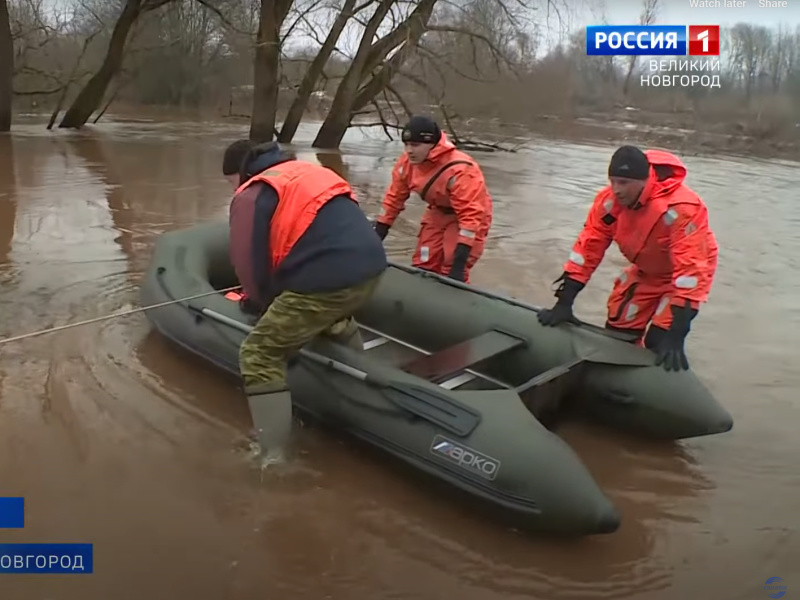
(46, 558)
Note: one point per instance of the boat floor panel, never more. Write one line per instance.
(452, 360)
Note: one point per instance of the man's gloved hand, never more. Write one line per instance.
(459, 267)
(382, 229)
(249, 306)
(562, 310)
(670, 351)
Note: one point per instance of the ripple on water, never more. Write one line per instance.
(113, 416)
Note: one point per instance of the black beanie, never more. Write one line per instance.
(234, 156)
(630, 162)
(423, 130)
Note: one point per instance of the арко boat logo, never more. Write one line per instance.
(466, 458)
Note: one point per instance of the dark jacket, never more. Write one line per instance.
(339, 249)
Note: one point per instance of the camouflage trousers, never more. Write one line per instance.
(293, 320)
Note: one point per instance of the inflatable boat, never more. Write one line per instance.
(456, 382)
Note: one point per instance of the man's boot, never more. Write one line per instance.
(271, 410)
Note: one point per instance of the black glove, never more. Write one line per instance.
(669, 350)
(459, 266)
(562, 311)
(382, 229)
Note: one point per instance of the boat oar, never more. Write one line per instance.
(429, 404)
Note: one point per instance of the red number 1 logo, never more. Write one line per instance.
(703, 40)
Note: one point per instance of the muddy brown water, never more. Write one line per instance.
(115, 437)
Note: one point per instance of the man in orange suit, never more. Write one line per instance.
(661, 226)
(459, 213)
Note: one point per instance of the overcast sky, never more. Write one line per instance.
(671, 12)
(680, 12)
(580, 13)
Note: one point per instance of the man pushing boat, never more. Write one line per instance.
(307, 258)
(661, 226)
(455, 225)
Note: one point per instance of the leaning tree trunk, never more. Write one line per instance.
(627, 83)
(298, 107)
(337, 121)
(381, 80)
(6, 68)
(91, 96)
(349, 96)
(265, 69)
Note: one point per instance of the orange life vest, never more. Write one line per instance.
(302, 188)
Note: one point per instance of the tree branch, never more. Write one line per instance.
(496, 53)
(381, 49)
(401, 100)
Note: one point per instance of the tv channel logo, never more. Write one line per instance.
(652, 40)
(37, 557)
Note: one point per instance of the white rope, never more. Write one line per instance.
(125, 313)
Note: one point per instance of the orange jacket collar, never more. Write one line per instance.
(655, 188)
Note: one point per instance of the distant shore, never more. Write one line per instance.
(679, 138)
(664, 130)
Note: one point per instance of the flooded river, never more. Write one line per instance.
(116, 438)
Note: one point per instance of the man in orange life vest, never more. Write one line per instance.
(661, 226)
(455, 224)
(307, 257)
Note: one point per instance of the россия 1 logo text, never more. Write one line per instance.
(652, 40)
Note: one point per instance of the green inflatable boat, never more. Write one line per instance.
(454, 381)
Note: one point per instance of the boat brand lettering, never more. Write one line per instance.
(467, 458)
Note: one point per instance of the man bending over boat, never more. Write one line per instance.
(459, 213)
(307, 257)
(661, 226)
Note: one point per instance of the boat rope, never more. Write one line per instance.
(124, 313)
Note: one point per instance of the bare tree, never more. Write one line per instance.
(48, 50)
(265, 69)
(315, 70)
(369, 57)
(470, 49)
(648, 17)
(779, 57)
(90, 97)
(750, 45)
(6, 68)
(477, 63)
(175, 54)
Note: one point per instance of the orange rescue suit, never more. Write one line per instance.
(302, 189)
(667, 238)
(459, 205)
